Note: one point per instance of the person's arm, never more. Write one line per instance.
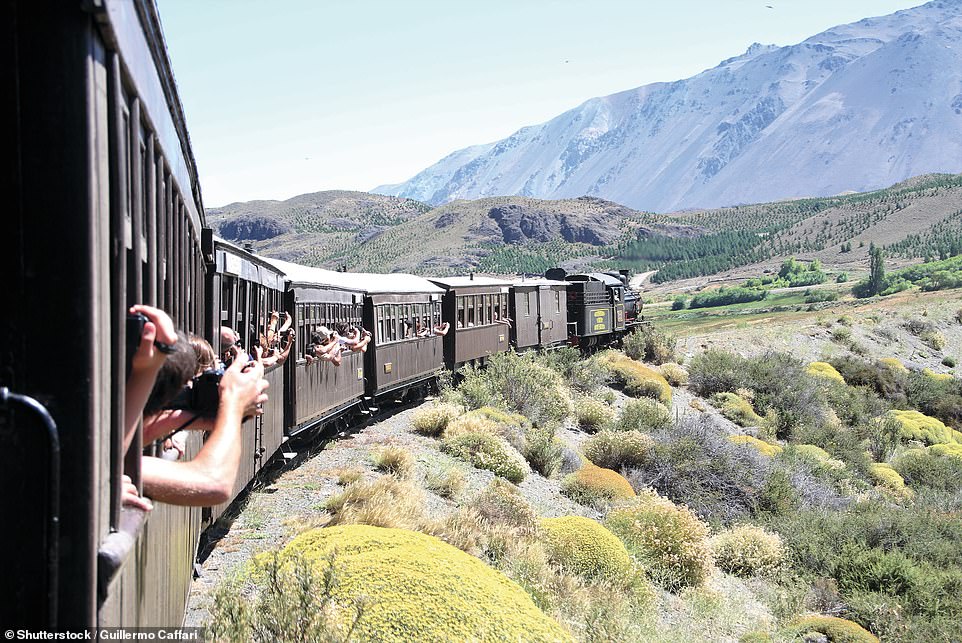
(209, 478)
(145, 364)
(287, 349)
(361, 346)
(166, 422)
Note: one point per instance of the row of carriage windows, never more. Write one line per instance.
(398, 322)
(311, 317)
(481, 310)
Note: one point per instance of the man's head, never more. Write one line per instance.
(178, 369)
(228, 337)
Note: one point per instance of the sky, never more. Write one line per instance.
(298, 96)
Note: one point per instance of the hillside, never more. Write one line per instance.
(326, 222)
(753, 496)
(855, 108)
(915, 219)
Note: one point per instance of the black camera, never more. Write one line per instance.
(202, 395)
(135, 330)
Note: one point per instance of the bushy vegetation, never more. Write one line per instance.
(642, 415)
(638, 380)
(393, 460)
(618, 449)
(746, 550)
(650, 344)
(432, 420)
(736, 408)
(486, 451)
(585, 548)
(669, 540)
(592, 484)
(725, 296)
(593, 414)
(836, 630)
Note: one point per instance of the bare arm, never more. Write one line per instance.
(145, 365)
(209, 478)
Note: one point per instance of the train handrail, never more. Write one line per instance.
(53, 523)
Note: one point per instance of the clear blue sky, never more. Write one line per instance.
(289, 97)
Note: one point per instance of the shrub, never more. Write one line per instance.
(591, 484)
(816, 456)
(349, 475)
(284, 598)
(385, 502)
(736, 409)
(486, 451)
(447, 484)
(643, 415)
(675, 374)
(638, 379)
(470, 423)
(934, 339)
(593, 414)
(918, 426)
(432, 420)
(921, 468)
(649, 344)
(543, 450)
(824, 370)
(617, 449)
(585, 548)
(885, 476)
(717, 371)
(748, 551)
(669, 541)
(394, 460)
(939, 377)
(765, 448)
(419, 587)
(948, 361)
(952, 449)
(501, 504)
(837, 630)
(692, 462)
(895, 364)
(726, 295)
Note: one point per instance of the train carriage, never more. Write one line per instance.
(104, 205)
(398, 358)
(242, 290)
(539, 310)
(319, 392)
(476, 308)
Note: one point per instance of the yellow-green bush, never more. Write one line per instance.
(487, 451)
(617, 449)
(669, 540)
(817, 456)
(838, 630)
(748, 551)
(765, 448)
(675, 374)
(885, 476)
(502, 417)
(894, 364)
(471, 424)
(952, 449)
(432, 420)
(918, 426)
(591, 483)
(419, 588)
(592, 413)
(584, 547)
(638, 379)
(938, 377)
(643, 415)
(824, 370)
(737, 409)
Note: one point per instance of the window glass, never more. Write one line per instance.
(469, 304)
(461, 311)
(527, 304)
(557, 301)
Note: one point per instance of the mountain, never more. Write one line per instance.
(855, 108)
(312, 224)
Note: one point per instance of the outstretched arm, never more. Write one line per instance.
(209, 478)
(145, 365)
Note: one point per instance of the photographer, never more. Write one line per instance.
(209, 478)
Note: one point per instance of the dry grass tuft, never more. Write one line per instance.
(394, 460)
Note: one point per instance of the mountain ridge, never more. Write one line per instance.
(854, 108)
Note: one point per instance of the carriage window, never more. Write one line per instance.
(470, 306)
(557, 301)
(527, 304)
(461, 312)
(489, 307)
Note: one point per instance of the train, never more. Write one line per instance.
(107, 213)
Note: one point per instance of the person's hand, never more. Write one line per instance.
(158, 327)
(130, 497)
(177, 442)
(243, 384)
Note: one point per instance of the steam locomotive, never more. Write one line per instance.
(107, 212)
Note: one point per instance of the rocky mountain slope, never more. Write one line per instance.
(855, 108)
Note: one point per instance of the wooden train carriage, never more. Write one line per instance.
(393, 304)
(539, 310)
(320, 392)
(477, 310)
(242, 290)
(104, 207)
